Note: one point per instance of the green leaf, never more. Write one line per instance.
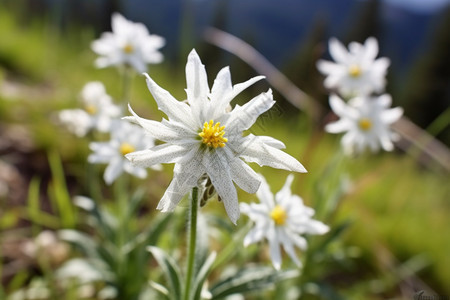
(160, 289)
(33, 211)
(250, 279)
(150, 235)
(83, 241)
(233, 246)
(335, 233)
(59, 192)
(202, 275)
(170, 269)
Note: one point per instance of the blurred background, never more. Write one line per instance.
(400, 201)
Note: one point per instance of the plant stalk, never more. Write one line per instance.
(192, 242)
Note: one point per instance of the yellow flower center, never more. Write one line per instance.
(278, 215)
(91, 109)
(365, 124)
(212, 135)
(128, 49)
(354, 71)
(126, 148)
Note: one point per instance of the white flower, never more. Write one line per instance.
(125, 138)
(281, 221)
(366, 122)
(355, 72)
(97, 111)
(202, 137)
(129, 43)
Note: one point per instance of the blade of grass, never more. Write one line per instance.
(58, 189)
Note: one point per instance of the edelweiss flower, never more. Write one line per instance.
(355, 72)
(281, 221)
(203, 137)
(97, 113)
(366, 122)
(129, 43)
(125, 138)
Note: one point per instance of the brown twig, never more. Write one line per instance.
(411, 134)
(256, 60)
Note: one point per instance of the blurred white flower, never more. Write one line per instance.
(357, 71)
(47, 246)
(125, 138)
(281, 220)
(97, 111)
(129, 43)
(202, 137)
(366, 122)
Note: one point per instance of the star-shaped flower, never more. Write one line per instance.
(97, 111)
(125, 138)
(281, 220)
(129, 43)
(203, 137)
(366, 121)
(354, 72)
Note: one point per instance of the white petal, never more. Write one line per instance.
(220, 105)
(348, 142)
(391, 115)
(255, 235)
(264, 194)
(137, 63)
(197, 85)
(328, 67)
(257, 212)
(386, 142)
(165, 153)
(158, 130)
(298, 240)
(316, 227)
(253, 150)
(113, 170)
(219, 173)
(244, 176)
(243, 117)
(333, 81)
(338, 51)
(274, 244)
(384, 100)
(285, 191)
(135, 171)
(288, 246)
(186, 175)
(176, 190)
(338, 126)
(338, 106)
(268, 140)
(380, 65)
(371, 48)
(173, 108)
(119, 24)
(222, 86)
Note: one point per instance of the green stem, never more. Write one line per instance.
(192, 240)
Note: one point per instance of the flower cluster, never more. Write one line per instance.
(204, 136)
(356, 75)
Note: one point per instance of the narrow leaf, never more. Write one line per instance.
(250, 279)
(170, 269)
(202, 275)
